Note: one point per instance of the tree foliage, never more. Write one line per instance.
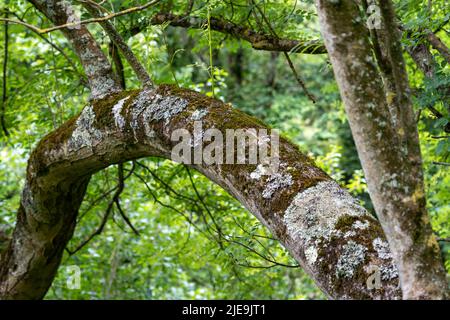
(195, 241)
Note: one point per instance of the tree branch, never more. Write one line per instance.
(5, 79)
(64, 25)
(258, 41)
(437, 44)
(116, 38)
(101, 77)
(447, 164)
(286, 55)
(425, 61)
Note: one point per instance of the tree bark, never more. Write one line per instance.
(386, 139)
(334, 239)
(101, 77)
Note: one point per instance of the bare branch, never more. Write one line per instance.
(437, 44)
(102, 79)
(117, 61)
(121, 185)
(447, 164)
(22, 23)
(82, 22)
(5, 79)
(72, 163)
(115, 37)
(298, 78)
(286, 55)
(258, 41)
(250, 249)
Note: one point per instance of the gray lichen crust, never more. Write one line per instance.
(388, 269)
(158, 107)
(150, 106)
(361, 225)
(117, 113)
(388, 272)
(275, 182)
(312, 215)
(258, 172)
(325, 214)
(85, 134)
(352, 256)
(199, 114)
(382, 248)
(311, 254)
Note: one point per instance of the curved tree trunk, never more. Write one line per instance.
(335, 240)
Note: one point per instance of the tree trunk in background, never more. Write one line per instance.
(382, 123)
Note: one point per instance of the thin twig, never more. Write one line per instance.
(121, 186)
(298, 78)
(447, 164)
(5, 78)
(180, 196)
(219, 230)
(60, 50)
(98, 231)
(155, 198)
(117, 39)
(286, 55)
(261, 255)
(114, 200)
(87, 21)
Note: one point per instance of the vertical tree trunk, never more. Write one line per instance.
(386, 138)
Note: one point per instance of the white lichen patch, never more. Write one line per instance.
(352, 256)
(349, 234)
(85, 134)
(360, 225)
(382, 249)
(388, 272)
(199, 114)
(117, 113)
(312, 215)
(311, 255)
(275, 182)
(149, 107)
(101, 85)
(260, 171)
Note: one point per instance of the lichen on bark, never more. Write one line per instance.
(85, 133)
